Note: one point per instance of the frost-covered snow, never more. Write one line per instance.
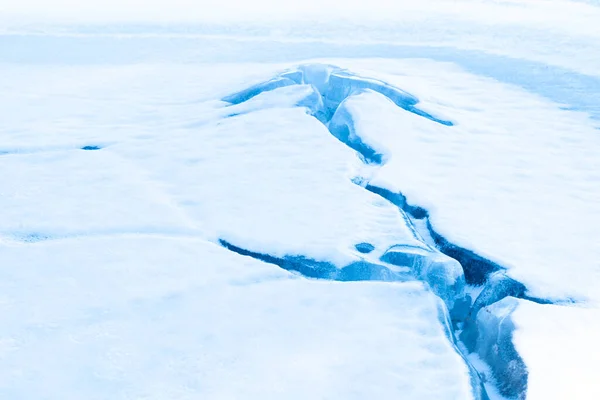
(109, 278)
(142, 147)
(161, 318)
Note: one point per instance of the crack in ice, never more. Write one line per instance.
(332, 86)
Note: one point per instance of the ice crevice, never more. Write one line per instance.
(357, 271)
(470, 323)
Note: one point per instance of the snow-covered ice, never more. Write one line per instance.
(259, 200)
(159, 317)
(514, 180)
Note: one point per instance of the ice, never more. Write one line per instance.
(541, 348)
(342, 127)
(364, 247)
(194, 197)
(253, 91)
(285, 97)
(492, 340)
(335, 85)
(491, 190)
(164, 317)
(496, 288)
(443, 274)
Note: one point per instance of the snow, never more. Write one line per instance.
(65, 193)
(560, 348)
(126, 291)
(155, 316)
(136, 164)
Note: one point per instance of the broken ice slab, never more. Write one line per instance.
(343, 84)
(255, 90)
(306, 96)
(366, 271)
(492, 340)
(444, 275)
(497, 287)
(335, 85)
(342, 127)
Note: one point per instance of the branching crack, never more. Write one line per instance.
(332, 86)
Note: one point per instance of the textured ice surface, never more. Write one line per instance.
(497, 287)
(162, 317)
(493, 342)
(443, 274)
(342, 127)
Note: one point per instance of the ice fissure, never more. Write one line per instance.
(357, 271)
(432, 263)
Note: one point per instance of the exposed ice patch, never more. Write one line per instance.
(257, 89)
(497, 287)
(364, 248)
(476, 268)
(443, 274)
(492, 339)
(335, 85)
(341, 126)
(91, 147)
(399, 200)
(356, 271)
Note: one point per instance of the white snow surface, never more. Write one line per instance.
(158, 317)
(112, 284)
(112, 281)
(560, 348)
